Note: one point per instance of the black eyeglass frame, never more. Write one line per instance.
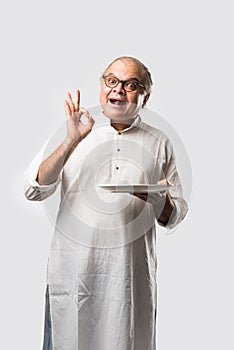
(123, 82)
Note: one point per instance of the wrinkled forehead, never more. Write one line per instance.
(125, 69)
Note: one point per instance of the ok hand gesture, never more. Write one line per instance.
(76, 129)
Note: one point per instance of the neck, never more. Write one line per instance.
(119, 126)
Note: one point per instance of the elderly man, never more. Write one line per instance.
(118, 179)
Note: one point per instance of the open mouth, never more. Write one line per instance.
(117, 102)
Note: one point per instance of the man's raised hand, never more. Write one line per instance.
(76, 128)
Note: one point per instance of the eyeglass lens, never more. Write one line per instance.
(128, 85)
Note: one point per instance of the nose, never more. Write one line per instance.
(119, 88)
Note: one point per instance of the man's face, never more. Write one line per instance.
(118, 104)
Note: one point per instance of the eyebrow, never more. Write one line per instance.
(133, 78)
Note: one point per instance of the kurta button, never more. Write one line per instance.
(119, 133)
(118, 149)
(117, 168)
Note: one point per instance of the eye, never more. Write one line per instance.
(111, 81)
(131, 85)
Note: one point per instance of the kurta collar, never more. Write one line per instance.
(135, 124)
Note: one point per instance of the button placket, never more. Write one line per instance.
(119, 134)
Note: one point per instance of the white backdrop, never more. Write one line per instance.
(49, 47)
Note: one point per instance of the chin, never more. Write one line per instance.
(115, 114)
(119, 116)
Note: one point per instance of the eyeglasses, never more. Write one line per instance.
(128, 85)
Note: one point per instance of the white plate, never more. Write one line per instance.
(126, 188)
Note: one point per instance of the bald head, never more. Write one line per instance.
(144, 73)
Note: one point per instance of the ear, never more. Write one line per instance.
(145, 100)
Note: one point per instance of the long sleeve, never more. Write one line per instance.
(176, 193)
(32, 189)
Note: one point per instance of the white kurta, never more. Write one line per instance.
(102, 265)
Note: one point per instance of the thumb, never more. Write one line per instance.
(164, 182)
